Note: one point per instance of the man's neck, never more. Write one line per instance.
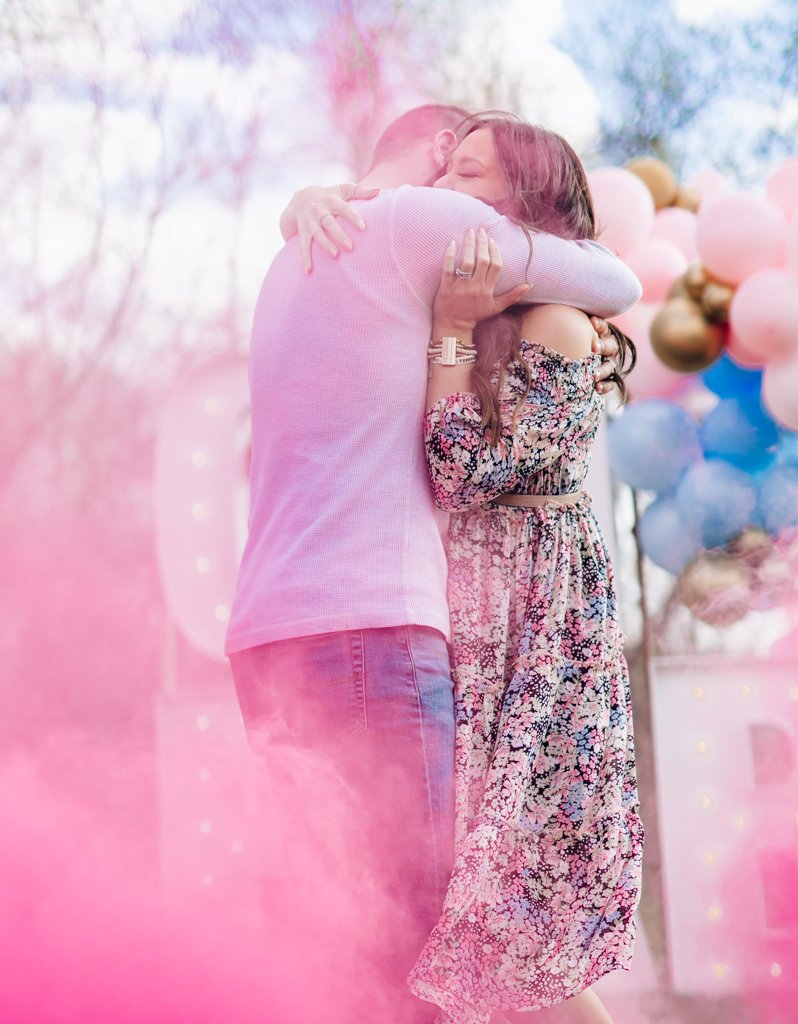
(393, 173)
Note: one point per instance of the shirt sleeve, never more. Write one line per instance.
(582, 274)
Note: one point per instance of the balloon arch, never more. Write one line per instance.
(716, 329)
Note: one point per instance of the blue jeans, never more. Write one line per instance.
(377, 705)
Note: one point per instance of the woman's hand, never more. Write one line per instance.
(606, 345)
(466, 294)
(312, 215)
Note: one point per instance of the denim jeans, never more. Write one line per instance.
(375, 706)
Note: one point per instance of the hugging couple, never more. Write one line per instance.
(467, 678)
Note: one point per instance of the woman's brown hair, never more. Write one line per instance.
(548, 191)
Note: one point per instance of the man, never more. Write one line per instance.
(339, 623)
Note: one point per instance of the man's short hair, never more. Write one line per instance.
(418, 123)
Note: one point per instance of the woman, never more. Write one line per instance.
(549, 841)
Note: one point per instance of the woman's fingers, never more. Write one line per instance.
(469, 252)
(494, 268)
(510, 298)
(447, 270)
(330, 227)
(482, 257)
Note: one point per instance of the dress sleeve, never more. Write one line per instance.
(582, 274)
(467, 470)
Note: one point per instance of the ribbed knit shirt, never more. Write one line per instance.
(343, 531)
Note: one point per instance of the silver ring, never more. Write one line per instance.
(459, 272)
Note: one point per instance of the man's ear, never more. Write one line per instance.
(443, 145)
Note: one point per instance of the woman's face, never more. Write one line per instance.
(475, 169)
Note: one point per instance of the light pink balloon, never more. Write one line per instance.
(743, 355)
(624, 207)
(782, 188)
(792, 244)
(780, 392)
(710, 185)
(739, 234)
(650, 378)
(764, 315)
(657, 262)
(679, 227)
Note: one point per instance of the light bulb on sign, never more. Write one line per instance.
(203, 722)
(705, 802)
(199, 458)
(698, 692)
(701, 747)
(212, 406)
(198, 510)
(203, 564)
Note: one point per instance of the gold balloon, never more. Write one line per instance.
(751, 547)
(658, 177)
(678, 289)
(716, 588)
(688, 199)
(695, 280)
(682, 339)
(715, 301)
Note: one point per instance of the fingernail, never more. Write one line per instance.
(482, 232)
(471, 231)
(362, 225)
(348, 246)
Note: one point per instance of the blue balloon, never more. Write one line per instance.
(777, 500)
(664, 536)
(717, 499)
(652, 444)
(787, 448)
(728, 379)
(741, 432)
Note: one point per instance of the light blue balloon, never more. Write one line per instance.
(777, 504)
(741, 432)
(652, 443)
(717, 499)
(664, 536)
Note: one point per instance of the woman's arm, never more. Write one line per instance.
(464, 297)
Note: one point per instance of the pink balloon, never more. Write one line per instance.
(624, 207)
(739, 234)
(679, 227)
(710, 185)
(657, 262)
(743, 355)
(650, 378)
(792, 244)
(782, 188)
(764, 315)
(780, 392)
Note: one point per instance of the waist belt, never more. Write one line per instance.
(539, 500)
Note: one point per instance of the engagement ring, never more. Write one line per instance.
(459, 272)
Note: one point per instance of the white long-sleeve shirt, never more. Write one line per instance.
(343, 531)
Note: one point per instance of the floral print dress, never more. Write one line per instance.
(549, 840)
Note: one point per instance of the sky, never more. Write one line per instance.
(81, 179)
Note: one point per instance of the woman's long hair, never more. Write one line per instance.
(548, 191)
